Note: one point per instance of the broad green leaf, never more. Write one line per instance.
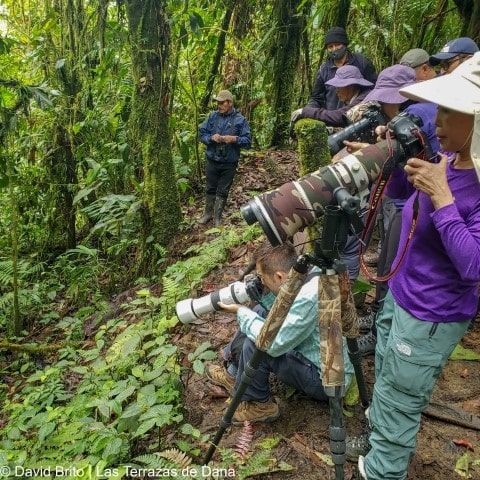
(45, 430)
(132, 410)
(461, 353)
(145, 427)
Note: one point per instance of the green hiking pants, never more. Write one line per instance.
(409, 357)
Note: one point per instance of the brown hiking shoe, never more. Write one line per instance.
(256, 412)
(219, 376)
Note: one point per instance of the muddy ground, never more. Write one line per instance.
(303, 424)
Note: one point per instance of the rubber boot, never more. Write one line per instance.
(218, 210)
(209, 206)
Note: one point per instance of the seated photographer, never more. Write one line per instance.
(351, 88)
(434, 294)
(294, 356)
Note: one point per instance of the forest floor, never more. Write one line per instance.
(303, 425)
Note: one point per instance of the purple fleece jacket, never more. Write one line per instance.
(439, 276)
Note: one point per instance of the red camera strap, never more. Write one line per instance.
(375, 202)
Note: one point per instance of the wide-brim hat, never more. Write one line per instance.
(348, 75)
(459, 90)
(389, 82)
(458, 46)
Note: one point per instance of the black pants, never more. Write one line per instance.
(292, 368)
(220, 177)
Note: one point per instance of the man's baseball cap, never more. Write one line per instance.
(458, 46)
(223, 95)
(415, 57)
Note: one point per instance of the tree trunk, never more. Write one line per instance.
(218, 55)
(286, 52)
(469, 10)
(148, 124)
(342, 13)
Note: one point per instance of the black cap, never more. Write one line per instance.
(336, 35)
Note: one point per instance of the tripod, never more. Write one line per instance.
(336, 314)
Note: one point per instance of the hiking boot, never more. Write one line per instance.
(220, 203)
(365, 322)
(370, 259)
(256, 412)
(361, 468)
(366, 344)
(219, 376)
(209, 206)
(356, 447)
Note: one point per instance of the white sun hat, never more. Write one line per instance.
(458, 91)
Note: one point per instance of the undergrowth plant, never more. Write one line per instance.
(101, 402)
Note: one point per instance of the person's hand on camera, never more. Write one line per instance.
(217, 138)
(254, 287)
(353, 147)
(230, 308)
(430, 178)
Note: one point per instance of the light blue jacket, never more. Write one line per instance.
(299, 331)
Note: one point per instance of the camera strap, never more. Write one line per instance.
(374, 204)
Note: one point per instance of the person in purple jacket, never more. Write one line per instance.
(434, 295)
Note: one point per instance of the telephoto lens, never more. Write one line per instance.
(192, 308)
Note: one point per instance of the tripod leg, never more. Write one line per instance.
(355, 358)
(247, 376)
(337, 429)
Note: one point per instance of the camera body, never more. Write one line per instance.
(237, 292)
(221, 152)
(405, 129)
(372, 117)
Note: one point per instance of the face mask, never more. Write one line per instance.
(337, 54)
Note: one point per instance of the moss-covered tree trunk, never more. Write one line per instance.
(148, 128)
(65, 54)
(314, 153)
(286, 52)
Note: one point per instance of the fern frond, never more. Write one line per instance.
(244, 441)
(151, 460)
(177, 457)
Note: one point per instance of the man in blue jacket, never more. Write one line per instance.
(224, 132)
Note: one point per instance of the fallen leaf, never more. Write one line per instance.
(464, 443)
(464, 374)
(472, 406)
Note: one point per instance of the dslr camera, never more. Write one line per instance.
(359, 131)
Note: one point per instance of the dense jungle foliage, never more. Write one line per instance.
(100, 103)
